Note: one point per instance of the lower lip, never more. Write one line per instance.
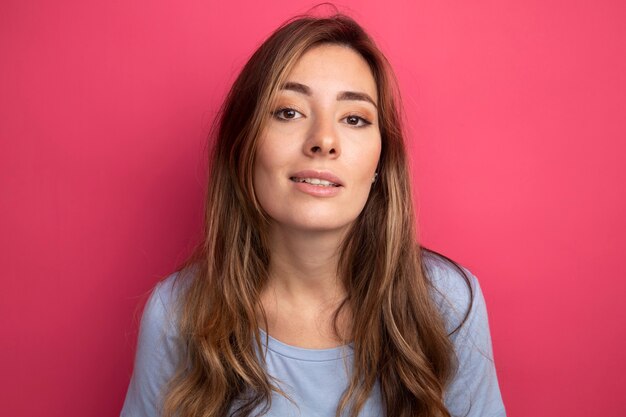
(317, 190)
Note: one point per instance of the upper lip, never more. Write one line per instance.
(322, 175)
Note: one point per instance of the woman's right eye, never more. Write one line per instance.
(286, 113)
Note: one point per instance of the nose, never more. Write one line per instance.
(322, 139)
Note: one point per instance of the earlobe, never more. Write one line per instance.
(375, 176)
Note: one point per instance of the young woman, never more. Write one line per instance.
(310, 295)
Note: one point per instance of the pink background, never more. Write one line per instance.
(516, 115)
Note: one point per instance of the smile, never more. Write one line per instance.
(315, 181)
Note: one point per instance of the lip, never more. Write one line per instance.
(316, 190)
(322, 175)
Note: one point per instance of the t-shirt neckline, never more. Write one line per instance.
(306, 354)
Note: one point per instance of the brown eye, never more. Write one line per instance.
(357, 121)
(286, 114)
(353, 120)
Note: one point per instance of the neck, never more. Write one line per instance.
(303, 265)
(303, 289)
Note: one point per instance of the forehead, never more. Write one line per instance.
(331, 68)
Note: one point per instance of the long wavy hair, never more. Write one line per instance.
(398, 334)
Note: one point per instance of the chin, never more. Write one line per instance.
(316, 224)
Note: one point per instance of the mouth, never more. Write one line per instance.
(315, 181)
(318, 178)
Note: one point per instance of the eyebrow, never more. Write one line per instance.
(342, 95)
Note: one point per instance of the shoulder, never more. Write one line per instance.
(454, 289)
(168, 290)
(158, 348)
(474, 391)
(162, 309)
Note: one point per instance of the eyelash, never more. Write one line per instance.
(277, 112)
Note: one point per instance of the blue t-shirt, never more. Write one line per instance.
(316, 378)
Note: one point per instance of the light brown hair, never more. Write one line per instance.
(398, 334)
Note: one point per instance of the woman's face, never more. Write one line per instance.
(317, 157)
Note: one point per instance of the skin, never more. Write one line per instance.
(324, 130)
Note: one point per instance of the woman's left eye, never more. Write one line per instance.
(357, 121)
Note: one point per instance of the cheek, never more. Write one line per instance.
(267, 173)
(368, 158)
(265, 160)
(261, 179)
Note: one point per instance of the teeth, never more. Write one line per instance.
(315, 181)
